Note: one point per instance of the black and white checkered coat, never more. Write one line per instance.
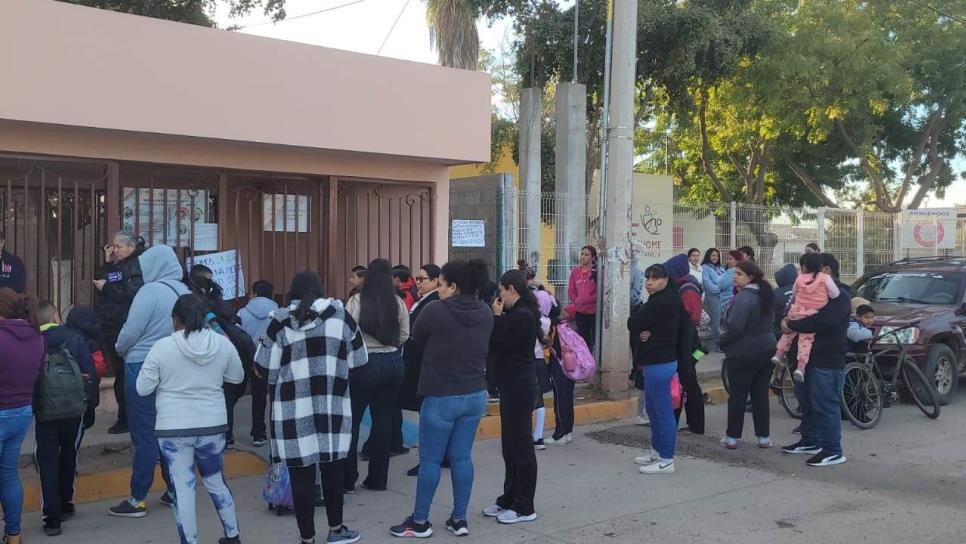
(308, 376)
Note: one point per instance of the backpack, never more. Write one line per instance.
(705, 323)
(576, 360)
(243, 343)
(61, 391)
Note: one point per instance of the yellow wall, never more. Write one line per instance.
(505, 165)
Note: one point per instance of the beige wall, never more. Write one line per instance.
(69, 65)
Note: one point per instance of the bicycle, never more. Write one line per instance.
(865, 389)
(781, 384)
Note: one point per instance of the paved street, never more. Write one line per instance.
(904, 481)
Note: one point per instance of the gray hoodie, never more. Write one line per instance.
(454, 335)
(187, 374)
(149, 319)
(255, 316)
(748, 331)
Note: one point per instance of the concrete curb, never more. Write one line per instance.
(584, 414)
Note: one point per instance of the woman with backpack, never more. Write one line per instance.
(749, 343)
(186, 371)
(312, 412)
(384, 320)
(452, 335)
(654, 331)
(23, 357)
(516, 329)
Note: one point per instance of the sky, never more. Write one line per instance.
(397, 29)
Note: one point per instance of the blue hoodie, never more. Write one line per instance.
(60, 337)
(256, 315)
(150, 317)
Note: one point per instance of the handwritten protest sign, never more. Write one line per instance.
(223, 266)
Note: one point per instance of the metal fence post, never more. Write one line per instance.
(860, 243)
(733, 219)
(820, 223)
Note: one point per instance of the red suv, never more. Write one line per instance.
(927, 292)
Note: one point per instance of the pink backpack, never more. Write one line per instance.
(677, 392)
(576, 360)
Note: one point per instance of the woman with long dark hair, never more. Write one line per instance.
(384, 321)
(711, 271)
(186, 371)
(22, 346)
(655, 331)
(452, 334)
(749, 343)
(582, 290)
(516, 329)
(311, 425)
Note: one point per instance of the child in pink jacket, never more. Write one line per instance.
(811, 293)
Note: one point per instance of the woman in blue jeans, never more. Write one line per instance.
(654, 330)
(453, 334)
(23, 355)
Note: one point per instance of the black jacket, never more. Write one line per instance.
(123, 281)
(412, 359)
(661, 315)
(830, 325)
(13, 274)
(453, 336)
(512, 342)
(785, 279)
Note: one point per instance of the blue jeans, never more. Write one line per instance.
(13, 427)
(657, 402)
(447, 428)
(819, 397)
(181, 454)
(141, 416)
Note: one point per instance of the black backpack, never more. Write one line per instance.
(61, 391)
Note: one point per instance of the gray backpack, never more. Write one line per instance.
(61, 393)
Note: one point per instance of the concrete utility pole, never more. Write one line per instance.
(615, 243)
(530, 125)
(570, 167)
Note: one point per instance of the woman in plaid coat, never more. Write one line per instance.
(307, 352)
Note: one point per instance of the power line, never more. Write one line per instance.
(292, 18)
(393, 27)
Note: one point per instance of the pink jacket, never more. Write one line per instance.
(582, 290)
(811, 293)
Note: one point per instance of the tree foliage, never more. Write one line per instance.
(197, 12)
(452, 31)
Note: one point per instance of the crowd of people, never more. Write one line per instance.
(439, 342)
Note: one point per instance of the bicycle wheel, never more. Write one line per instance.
(862, 396)
(784, 387)
(921, 391)
(724, 377)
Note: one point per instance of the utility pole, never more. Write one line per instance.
(615, 242)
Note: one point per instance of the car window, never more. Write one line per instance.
(912, 287)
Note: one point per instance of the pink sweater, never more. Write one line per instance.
(811, 293)
(582, 290)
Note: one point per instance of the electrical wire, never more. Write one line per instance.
(393, 27)
(303, 15)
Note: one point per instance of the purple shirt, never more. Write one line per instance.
(23, 349)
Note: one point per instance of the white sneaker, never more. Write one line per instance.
(509, 517)
(764, 442)
(563, 440)
(648, 458)
(642, 421)
(798, 375)
(777, 361)
(661, 466)
(493, 511)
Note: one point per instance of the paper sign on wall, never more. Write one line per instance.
(223, 266)
(206, 236)
(469, 233)
(929, 228)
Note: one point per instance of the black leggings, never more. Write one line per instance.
(586, 328)
(303, 495)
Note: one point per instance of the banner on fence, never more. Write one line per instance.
(933, 228)
(223, 266)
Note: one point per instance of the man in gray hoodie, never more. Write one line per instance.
(254, 320)
(148, 321)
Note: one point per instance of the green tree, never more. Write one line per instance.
(197, 12)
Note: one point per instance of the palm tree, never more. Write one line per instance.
(452, 32)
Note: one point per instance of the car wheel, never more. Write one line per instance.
(941, 367)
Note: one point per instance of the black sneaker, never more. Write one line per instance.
(129, 508)
(52, 528)
(344, 535)
(825, 459)
(413, 471)
(118, 428)
(411, 529)
(370, 487)
(457, 527)
(230, 443)
(232, 540)
(539, 445)
(68, 512)
(167, 499)
(400, 451)
(259, 441)
(801, 448)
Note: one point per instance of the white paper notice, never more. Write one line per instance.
(469, 233)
